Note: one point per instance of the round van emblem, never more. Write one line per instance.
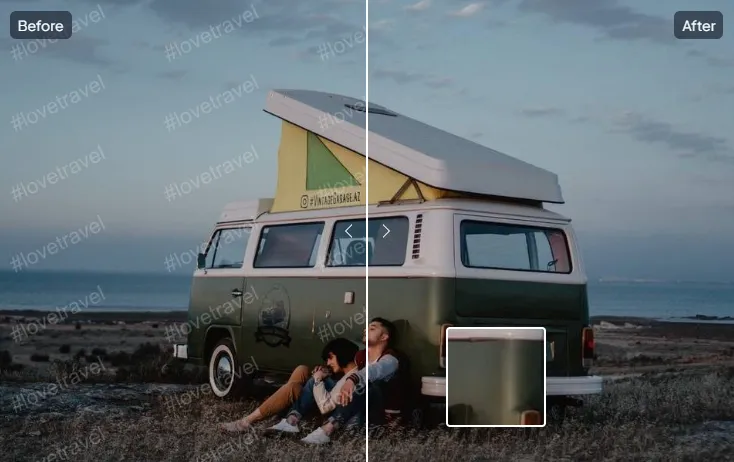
(274, 318)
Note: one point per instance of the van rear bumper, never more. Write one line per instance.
(564, 386)
(554, 386)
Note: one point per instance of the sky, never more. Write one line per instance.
(637, 124)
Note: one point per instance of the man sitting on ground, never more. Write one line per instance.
(340, 355)
(387, 377)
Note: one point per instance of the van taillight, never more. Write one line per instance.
(587, 346)
(442, 344)
(530, 418)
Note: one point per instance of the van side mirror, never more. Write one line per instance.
(201, 261)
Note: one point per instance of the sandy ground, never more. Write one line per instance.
(670, 396)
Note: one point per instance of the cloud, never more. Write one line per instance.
(82, 50)
(615, 21)
(686, 144)
(439, 83)
(278, 22)
(542, 112)
(273, 18)
(468, 11)
(399, 77)
(382, 24)
(497, 23)
(422, 5)
(716, 90)
(711, 60)
(284, 41)
(402, 78)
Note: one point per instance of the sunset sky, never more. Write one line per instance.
(637, 124)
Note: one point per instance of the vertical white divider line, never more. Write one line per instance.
(367, 216)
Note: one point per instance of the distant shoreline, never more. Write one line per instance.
(180, 315)
(130, 317)
(189, 274)
(656, 281)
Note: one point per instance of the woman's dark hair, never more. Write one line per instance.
(343, 349)
(390, 328)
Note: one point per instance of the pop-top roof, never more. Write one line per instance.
(425, 153)
(245, 210)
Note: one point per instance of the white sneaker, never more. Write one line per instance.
(284, 426)
(317, 436)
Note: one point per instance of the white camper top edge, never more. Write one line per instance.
(245, 210)
(428, 154)
(258, 211)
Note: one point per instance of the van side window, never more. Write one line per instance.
(289, 246)
(227, 248)
(386, 246)
(512, 247)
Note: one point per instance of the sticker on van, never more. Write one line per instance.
(274, 318)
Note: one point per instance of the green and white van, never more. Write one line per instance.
(457, 235)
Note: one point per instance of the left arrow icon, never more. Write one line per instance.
(347, 230)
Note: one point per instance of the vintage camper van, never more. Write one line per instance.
(457, 235)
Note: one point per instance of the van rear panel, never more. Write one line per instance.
(561, 308)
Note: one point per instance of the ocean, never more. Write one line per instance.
(164, 292)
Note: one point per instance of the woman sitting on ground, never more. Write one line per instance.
(287, 395)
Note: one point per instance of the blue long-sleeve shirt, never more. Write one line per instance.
(382, 369)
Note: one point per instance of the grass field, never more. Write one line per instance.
(671, 417)
(672, 400)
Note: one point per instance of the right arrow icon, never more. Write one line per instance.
(387, 229)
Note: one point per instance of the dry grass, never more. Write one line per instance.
(645, 419)
(642, 419)
(171, 431)
(667, 417)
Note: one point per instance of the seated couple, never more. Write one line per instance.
(334, 398)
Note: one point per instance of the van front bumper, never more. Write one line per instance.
(554, 386)
(180, 351)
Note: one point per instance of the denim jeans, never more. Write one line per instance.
(351, 415)
(376, 408)
(306, 402)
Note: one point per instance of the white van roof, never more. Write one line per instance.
(245, 210)
(425, 153)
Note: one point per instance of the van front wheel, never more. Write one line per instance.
(224, 377)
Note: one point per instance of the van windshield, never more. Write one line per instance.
(514, 247)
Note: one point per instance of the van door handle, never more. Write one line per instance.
(236, 293)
